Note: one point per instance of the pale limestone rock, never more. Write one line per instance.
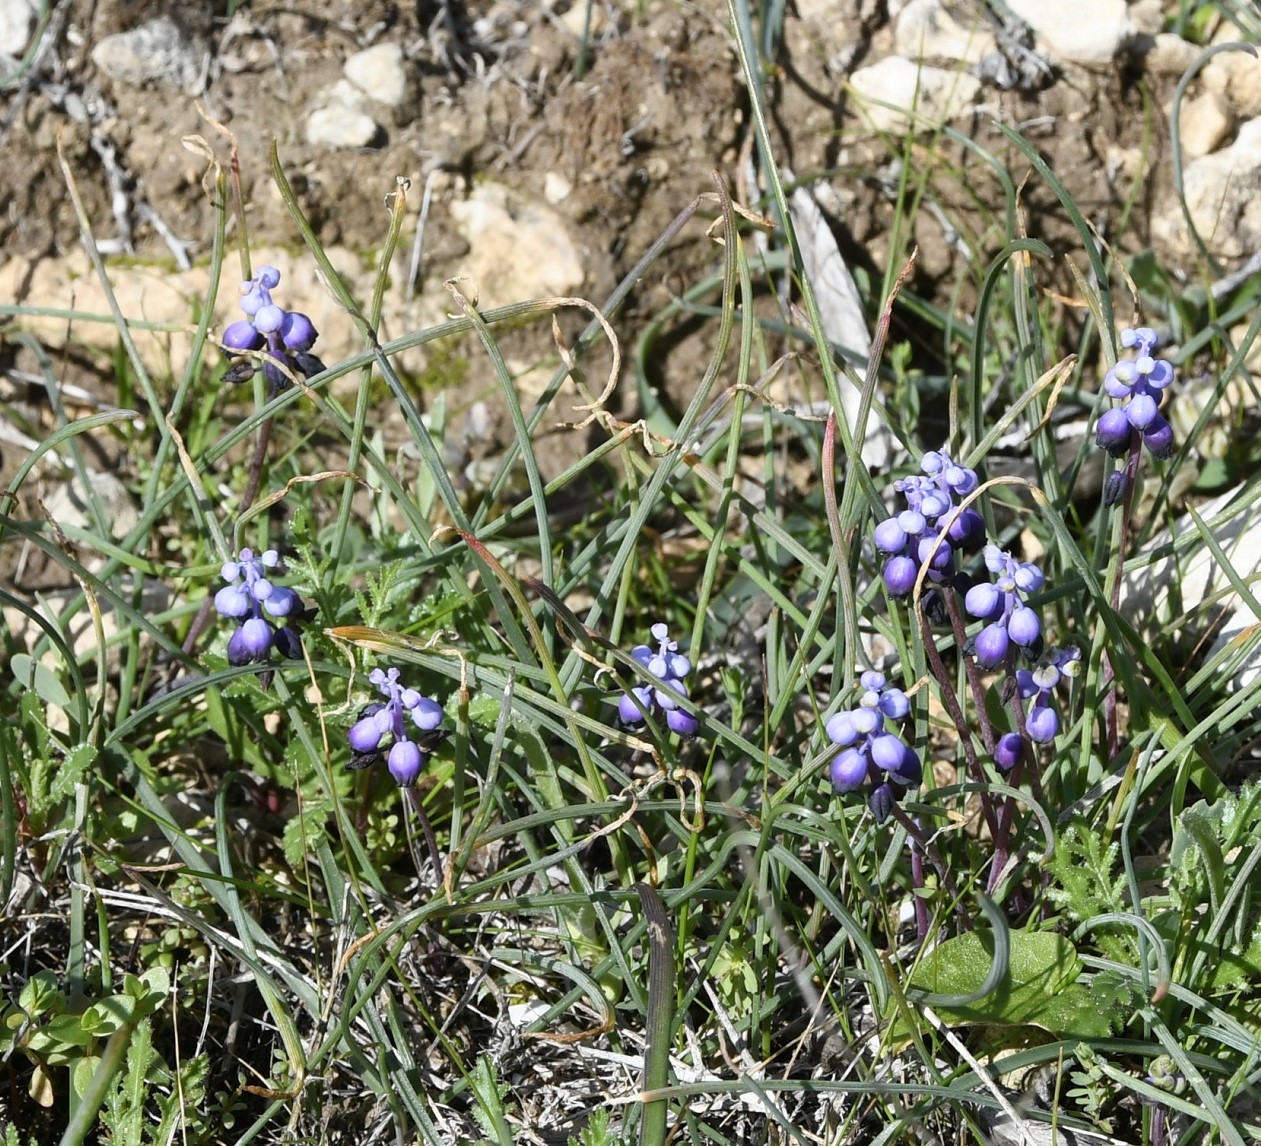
(341, 127)
(519, 248)
(896, 92)
(380, 72)
(1223, 194)
(1204, 124)
(1236, 77)
(1077, 31)
(17, 25)
(1169, 54)
(926, 30)
(156, 51)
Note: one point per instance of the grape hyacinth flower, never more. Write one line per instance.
(1001, 603)
(1042, 721)
(1140, 384)
(911, 537)
(669, 667)
(251, 599)
(407, 750)
(870, 752)
(288, 335)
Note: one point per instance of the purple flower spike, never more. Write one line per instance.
(1139, 384)
(252, 599)
(871, 750)
(287, 336)
(381, 730)
(669, 669)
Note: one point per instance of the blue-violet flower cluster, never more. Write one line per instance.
(871, 753)
(1140, 384)
(378, 723)
(288, 335)
(911, 537)
(1001, 603)
(246, 597)
(1042, 720)
(670, 667)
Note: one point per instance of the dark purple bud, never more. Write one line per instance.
(309, 365)
(297, 331)
(242, 335)
(991, 645)
(899, 576)
(1113, 431)
(1023, 627)
(239, 372)
(405, 762)
(881, 802)
(1159, 439)
(1009, 751)
(1114, 488)
(909, 772)
(287, 643)
(277, 379)
(251, 643)
(967, 530)
(848, 771)
(935, 608)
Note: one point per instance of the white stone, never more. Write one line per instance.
(1223, 195)
(926, 30)
(380, 73)
(1204, 124)
(519, 248)
(1169, 54)
(343, 127)
(17, 23)
(155, 51)
(1077, 31)
(1147, 16)
(914, 93)
(1236, 77)
(556, 188)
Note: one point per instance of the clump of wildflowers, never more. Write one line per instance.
(288, 335)
(1140, 384)
(1001, 603)
(911, 537)
(382, 729)
(251, 599)
(872, 753)
(670, 668)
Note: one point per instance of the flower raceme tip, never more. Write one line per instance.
(253, 599)
(382, 729)
(870, 752)
(669, 668)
